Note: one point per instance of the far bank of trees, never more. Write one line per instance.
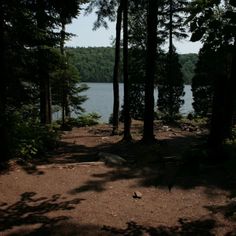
(95, 64)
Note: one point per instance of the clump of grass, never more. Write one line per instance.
(89, 119)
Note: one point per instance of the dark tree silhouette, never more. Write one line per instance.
(171, 87)
(203, 80)
(3, 126)
(217, 29)
(127, 118)
(43, 73)
(66, 14)
(148, 135)
(116, 104)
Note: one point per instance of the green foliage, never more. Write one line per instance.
(136, 77)
(188, 63)
(213, 22)
(66, 80)
(28, 138)
(95, 64)
(104, 10)
(202, 83)
(200, 122)
(171, 89)
(210, 76)
(83, 120)
(174, 14)
(29, 60)
(89, 119)
(137, 58)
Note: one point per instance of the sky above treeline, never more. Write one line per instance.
(85, 36)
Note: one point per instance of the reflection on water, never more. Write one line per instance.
(100, 99)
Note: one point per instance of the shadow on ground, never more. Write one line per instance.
(185, 227)
(174, 161)
(166, 164)
(30, 210)
(201, 227)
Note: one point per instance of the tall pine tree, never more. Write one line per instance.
(148, 131)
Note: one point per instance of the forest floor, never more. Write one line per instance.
(72, 192)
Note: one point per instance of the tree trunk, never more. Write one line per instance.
(45, 92)
(62, 40)
(223, 108)
(171, 28)
(116, 105)
(148, 135)
(231, 97)
(65, 82)
(44, 84)
(127, 119)
(170, 75)
(216, 136)
(3, 86)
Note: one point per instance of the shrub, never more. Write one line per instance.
(89, 119)
(83, 120)
(28, 138)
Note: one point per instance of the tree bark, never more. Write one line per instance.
(148, 135)
(65, 82)
(171, 27)
(231, 97)
(127, 119)
(216, 135)
(116, 105)
(45, 92)
(44, 84)
(223, 107)
(170, 75)
(4, 149)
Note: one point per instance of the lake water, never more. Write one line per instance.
(100, 99)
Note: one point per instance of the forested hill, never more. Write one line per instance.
(95, 64)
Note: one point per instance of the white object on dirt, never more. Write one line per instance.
(111, 159)
(137, 194)
(166, 128)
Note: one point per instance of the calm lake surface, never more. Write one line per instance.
(100, 99)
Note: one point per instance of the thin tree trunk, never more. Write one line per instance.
(127, 119)
(3, 127)
(45, 92)
(44, 84)
(66, 87)
(216, 130)
(45, 96)
(171, 28)
(64, 83)
(116, 104)
(148, 135)
(170, 76)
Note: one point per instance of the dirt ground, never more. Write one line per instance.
(71, 192)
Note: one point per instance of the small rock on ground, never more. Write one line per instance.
(137, 194)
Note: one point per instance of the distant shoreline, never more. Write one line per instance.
(96, 64)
